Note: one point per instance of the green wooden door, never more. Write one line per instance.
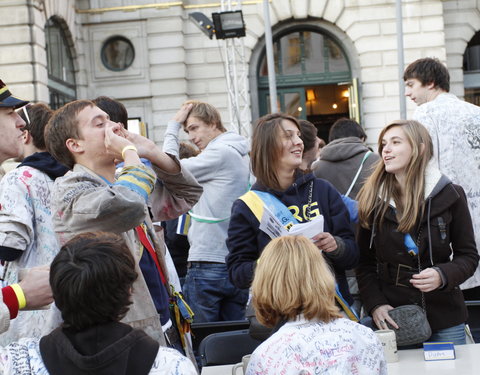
(291, 101)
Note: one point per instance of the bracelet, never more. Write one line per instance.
(22, 302)
(11, 301)
(129, 147)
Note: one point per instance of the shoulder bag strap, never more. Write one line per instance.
(367, 154)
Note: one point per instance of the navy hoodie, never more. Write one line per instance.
(246, 241)
(45, 162)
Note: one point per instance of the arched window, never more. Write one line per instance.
(313, 76)
(306, 56)
(471, 70)
(61, 74)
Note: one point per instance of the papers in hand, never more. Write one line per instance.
(272, 226)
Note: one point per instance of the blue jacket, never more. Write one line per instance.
(246, 241)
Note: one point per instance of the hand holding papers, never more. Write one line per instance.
(309, 229)
(272, 226)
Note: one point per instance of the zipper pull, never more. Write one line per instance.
(443, 228)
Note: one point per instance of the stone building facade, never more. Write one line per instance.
(51, 50)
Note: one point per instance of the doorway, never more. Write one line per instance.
(314, 80)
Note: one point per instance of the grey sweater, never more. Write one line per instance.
(222, 169)
(339, 162)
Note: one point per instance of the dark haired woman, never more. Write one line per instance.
(276, 156)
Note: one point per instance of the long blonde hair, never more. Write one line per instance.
(375, 195)
(292, 278)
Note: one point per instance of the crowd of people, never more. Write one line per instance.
(95, 219)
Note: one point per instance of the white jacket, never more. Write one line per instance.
(454, 126)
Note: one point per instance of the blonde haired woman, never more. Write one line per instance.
(293, 282)
(416, 237)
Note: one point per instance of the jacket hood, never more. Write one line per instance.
(343, 149)
(45, 163)
(233, 140)
(435, 181)
(112, 348)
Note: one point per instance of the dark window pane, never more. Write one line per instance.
(292, 104)
(61, 72)
(117, 53)
(314, 52)
(263, 65)
(291, 54)
(336, 59)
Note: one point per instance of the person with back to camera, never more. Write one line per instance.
(92, 278)
(341, 158)
(416, 237)
(294, 283)
(276, 157)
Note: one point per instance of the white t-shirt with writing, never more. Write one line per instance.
(312, 347)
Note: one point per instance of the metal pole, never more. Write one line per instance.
(272, 85)
(400, 60)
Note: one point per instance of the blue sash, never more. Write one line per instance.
(283, 214)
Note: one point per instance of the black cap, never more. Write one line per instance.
(7, 99)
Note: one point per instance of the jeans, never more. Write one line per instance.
(211, 295)
(456, 334)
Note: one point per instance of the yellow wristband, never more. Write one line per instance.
(22, 302)
(129, 147)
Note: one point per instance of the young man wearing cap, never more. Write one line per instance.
(454, 126)
(27, 238)
(11, 124)
(90, 198)
(33, 291)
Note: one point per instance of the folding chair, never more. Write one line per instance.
(226, 348)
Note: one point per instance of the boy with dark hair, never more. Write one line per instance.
(311, 144)
(454, 126)
(345, 127)
(90, 197)
(428, 71)
(92, 340)
(27, 238)
(115, 109)
(342, 156)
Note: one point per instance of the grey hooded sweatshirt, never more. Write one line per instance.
(340, 161)
(222, 169)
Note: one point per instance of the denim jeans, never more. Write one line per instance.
(211, 295)
(456, 334)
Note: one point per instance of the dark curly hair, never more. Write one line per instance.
(91, 279)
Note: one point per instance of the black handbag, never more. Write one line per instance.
(411, 319)
(413, 325)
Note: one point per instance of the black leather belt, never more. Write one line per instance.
(189, 264)
(396, 274)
